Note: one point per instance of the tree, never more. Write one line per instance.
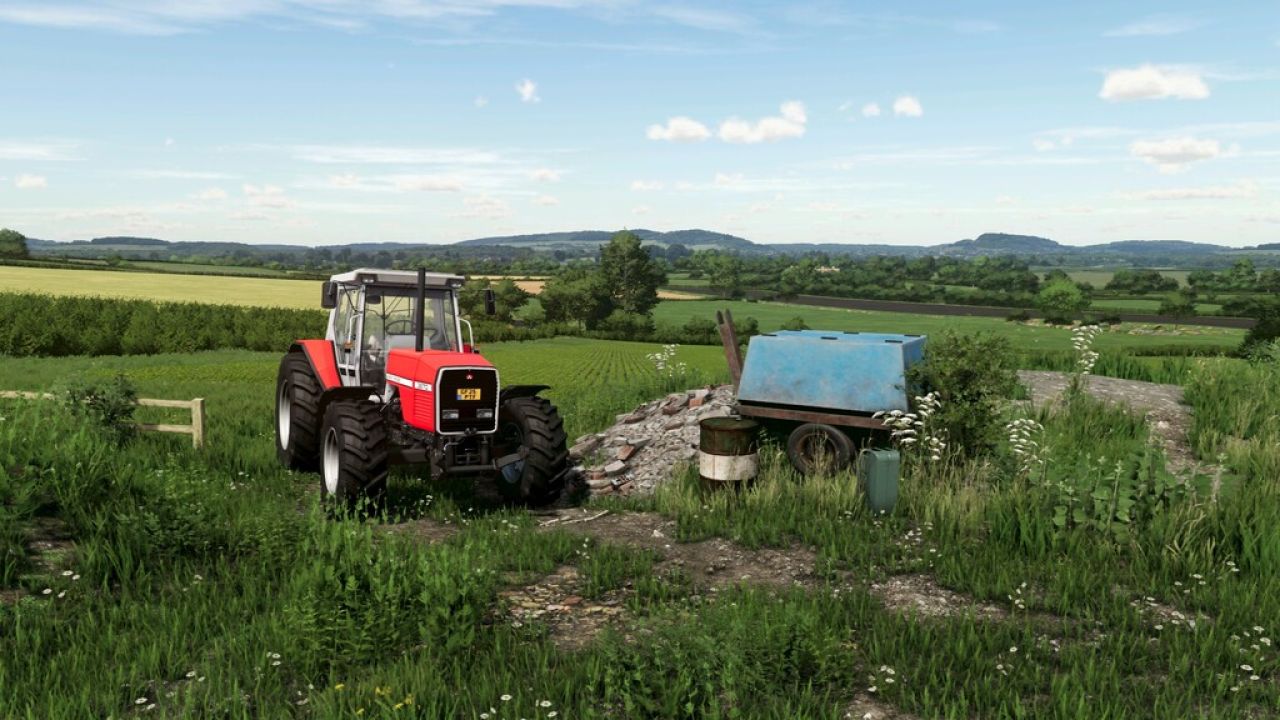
(1179, 305)
(1061, 301)
(509, 298)
(12, 243)
(577, 295)
(724, 272)
(630, 274)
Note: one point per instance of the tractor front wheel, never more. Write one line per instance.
(353, 452)
(531, 427)
(297, 413)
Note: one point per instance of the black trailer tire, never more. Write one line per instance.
(532, 426)
(298, 414)
(354, 452)
(816, 448)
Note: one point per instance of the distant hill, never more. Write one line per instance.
(584, 243)
(693, 239)
(1004, 243)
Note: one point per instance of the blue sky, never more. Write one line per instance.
(331, 121)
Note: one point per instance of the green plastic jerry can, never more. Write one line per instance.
(878, 478)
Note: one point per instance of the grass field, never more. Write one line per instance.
(196, 268)
(212, 585)
(266, 292)
(1144, 306)
(771, 316)
(1100, 278)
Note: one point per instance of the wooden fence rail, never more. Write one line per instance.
(195, 407)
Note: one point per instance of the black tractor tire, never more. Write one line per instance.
(354, 452)
(815, 449)
(532, 426)
(298, 414)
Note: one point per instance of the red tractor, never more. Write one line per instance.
(394, 382)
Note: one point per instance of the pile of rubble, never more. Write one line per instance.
(644, 446)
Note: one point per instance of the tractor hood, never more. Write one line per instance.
(445, 392)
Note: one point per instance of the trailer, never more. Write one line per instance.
(822, 389)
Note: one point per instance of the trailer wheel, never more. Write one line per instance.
(353, 452)
(532, 426)
(297, 414)
(818, 449)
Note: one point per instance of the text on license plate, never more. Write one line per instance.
(468, 393)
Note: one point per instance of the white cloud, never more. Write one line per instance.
(169, 142)
(641, 210)
(646, 185)
(871, 110)
(1152, 82)
(1174, 154)
(973, 27)
(907, 106)
(28, 182)
(702, 19)
(1242, 189)
(181, 175)
(22, 150)
(545, 175)
(679, 129)
(346, 180)
(1154, 25)
(481, 101)
(210, 194)
(1005, 200)
(726, 180)
(1043, 144)
(790, 124)
(269, 196)
(528, 91)
(546, 200)
(426, 183)
(390, 155)
(484, 206)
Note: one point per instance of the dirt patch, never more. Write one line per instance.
(713, 564)
(555, 600)
(921, 595)
(1163, 616)
(867, 707)
(423, 529)
(1163, 406)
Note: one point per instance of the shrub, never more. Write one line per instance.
(629, 325)
(1267, 328)
(795, 323)
(1019, 316)
(108, 404)
(971, 376)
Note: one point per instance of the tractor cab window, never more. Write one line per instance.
(388, 324)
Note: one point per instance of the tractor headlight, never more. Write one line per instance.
(448, 414)
(484, 414)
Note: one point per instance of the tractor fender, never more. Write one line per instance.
(519, 391)
(323, 361)
(354, 392)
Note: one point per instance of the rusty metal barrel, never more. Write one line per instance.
(727, 452)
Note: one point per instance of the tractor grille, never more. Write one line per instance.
(473, 394)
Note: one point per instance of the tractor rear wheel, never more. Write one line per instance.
(297, 413)
(818, 449)
(353, 452)
(532, 427)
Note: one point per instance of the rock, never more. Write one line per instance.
(600, 483)
(585, 446)
(617, 467)
(675, 405)
(635, 417)
(673, 424)
(626, 451)
(639, 441)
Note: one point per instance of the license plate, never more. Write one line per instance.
(468, 393)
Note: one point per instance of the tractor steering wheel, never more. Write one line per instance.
(399, 326)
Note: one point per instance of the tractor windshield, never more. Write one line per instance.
(388, 324)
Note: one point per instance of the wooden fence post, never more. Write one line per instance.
(197, 423)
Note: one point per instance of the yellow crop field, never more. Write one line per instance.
(268, 292)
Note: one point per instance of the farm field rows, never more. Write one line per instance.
(772, 315)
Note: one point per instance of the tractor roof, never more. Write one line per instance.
(408, 278)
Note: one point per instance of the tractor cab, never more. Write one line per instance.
(395, 380)
(373, 312)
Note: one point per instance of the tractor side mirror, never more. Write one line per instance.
(490, 302)
(371, 298)
(329, 295)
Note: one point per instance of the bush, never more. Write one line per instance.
(631, 326)
(1267, 328)
(795, 323)
(109, 405)
(42, 325)
(1020, 316)
(972, 376)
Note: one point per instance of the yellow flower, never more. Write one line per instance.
(340, 686)
(360, 711)
(398, 705)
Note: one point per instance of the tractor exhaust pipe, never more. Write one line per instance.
(419, 310)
